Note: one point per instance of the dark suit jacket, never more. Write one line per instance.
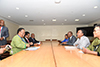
(34, 41)
(72, 41)
(26, 40)
(4, 33)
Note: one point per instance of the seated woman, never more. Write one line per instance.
(65, 40)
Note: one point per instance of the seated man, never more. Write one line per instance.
(18, 43)
(65, 40)
(94, 48)
(32, 39)
(82, 40)
(26, 37)
(72, 39)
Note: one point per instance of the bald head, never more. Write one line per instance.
(1, 23)
(70, 34)
(33, 35)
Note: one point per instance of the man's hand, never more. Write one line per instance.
(89, 52)
(36, 44)
(1, 38)
(86, 50)
(30, 43)
(64, 43)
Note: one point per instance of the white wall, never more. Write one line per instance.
(12, 27)
(95, 22)
(51, 32)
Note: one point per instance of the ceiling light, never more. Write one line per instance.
(95, 6)
(76, 19)
(9, 16)
(42, 20)
(57, 1)
(26, 15)
(31, 20)
(17, 8)
(54, 20)
(83, 15)
(65, 19)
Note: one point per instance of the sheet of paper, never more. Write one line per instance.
(81, 52)
(38, 47)
(70, 47)
(31, 48)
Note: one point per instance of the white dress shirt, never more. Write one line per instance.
(82, 42)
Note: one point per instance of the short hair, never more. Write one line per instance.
(26, 33)
(2, 20)
(98, 25)
(83, 31)
(20, 30)
(32, 33)
(71, 32)
(66, 34)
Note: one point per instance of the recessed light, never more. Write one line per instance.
(65, 19)
(26, 15)
(54, 20)
(76, 19)
(83, 15)
(95, 6)
(57, 1)
(42, 20)
(31, 20)
(9, 16)
(17, 8)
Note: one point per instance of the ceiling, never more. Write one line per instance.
(41, 12)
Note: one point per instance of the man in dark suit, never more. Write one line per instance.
(32, 39)
(26, 38)
(72, 39)
(3, 33)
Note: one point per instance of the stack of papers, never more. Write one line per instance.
(32, 48)
(70, 47)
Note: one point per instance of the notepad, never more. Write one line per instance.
(70, 47)
(32, 48)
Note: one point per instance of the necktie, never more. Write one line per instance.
(0, 32)
(0, 29)
(27, 40)
(33, 40)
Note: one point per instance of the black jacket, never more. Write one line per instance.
(26, 40)
(34, 41)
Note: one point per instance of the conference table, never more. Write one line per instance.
(50, 54)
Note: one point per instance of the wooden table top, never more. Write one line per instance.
(51, 55)
(72, 58)
(42, 57)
